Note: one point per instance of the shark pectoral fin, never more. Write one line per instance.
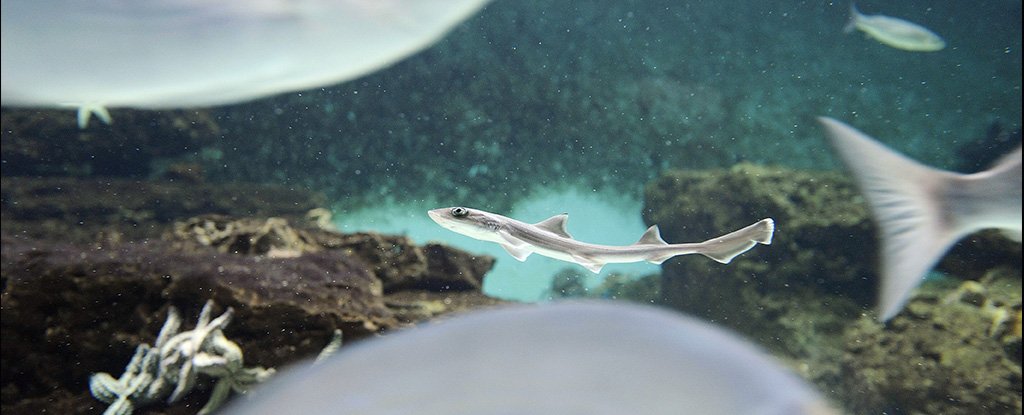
(517, 252)
(588, 263)
(593, 267)
(516, 247)
(509, 239)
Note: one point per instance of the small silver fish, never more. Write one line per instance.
(551, 239)
(600, 357)
(894, 32)
(922, 211)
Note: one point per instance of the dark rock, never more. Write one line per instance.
(418, 305)
(451, 269)
(981, 153)
(395, 260)
(820, 269)
(972, 257)
(808, 296)
(571, 283)
(70, 310)
(91, 210)
(184, 172)
(49, 142)
(400, 266)
(945, 355)
(811, 278)
(272, 237)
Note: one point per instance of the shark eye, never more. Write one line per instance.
(460, 212)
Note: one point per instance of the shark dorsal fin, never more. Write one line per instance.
(555, 224)
(651, 237)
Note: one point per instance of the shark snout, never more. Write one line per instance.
(437, 215)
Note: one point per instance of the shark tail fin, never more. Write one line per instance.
(726, 247)
(906, 201)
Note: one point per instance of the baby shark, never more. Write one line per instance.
(922, 211)
(551, 239)
(894, 32)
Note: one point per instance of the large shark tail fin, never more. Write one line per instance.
(906, 200)
(726, 247)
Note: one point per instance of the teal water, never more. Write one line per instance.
(526, 99)
(534, 108)
(595, 217)
(607, 94)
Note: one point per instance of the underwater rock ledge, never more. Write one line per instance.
(812, 278)
(956, 350)
(808, 296)
(73, 308)
(48, 142)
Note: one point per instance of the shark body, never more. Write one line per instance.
(162, 54)
(551, 239)
(922, 211)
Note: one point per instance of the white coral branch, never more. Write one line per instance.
(171, 366)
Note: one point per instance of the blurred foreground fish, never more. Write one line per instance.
(551, 239)
(185, 53)
(922, 211)
(894, 32)
(559, 358)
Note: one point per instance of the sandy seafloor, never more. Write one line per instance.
(531, 109)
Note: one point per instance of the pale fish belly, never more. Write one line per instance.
(900, 34)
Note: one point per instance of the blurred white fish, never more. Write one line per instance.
(894, 32)
(922, 211)
(557, 358)
(155, 54)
